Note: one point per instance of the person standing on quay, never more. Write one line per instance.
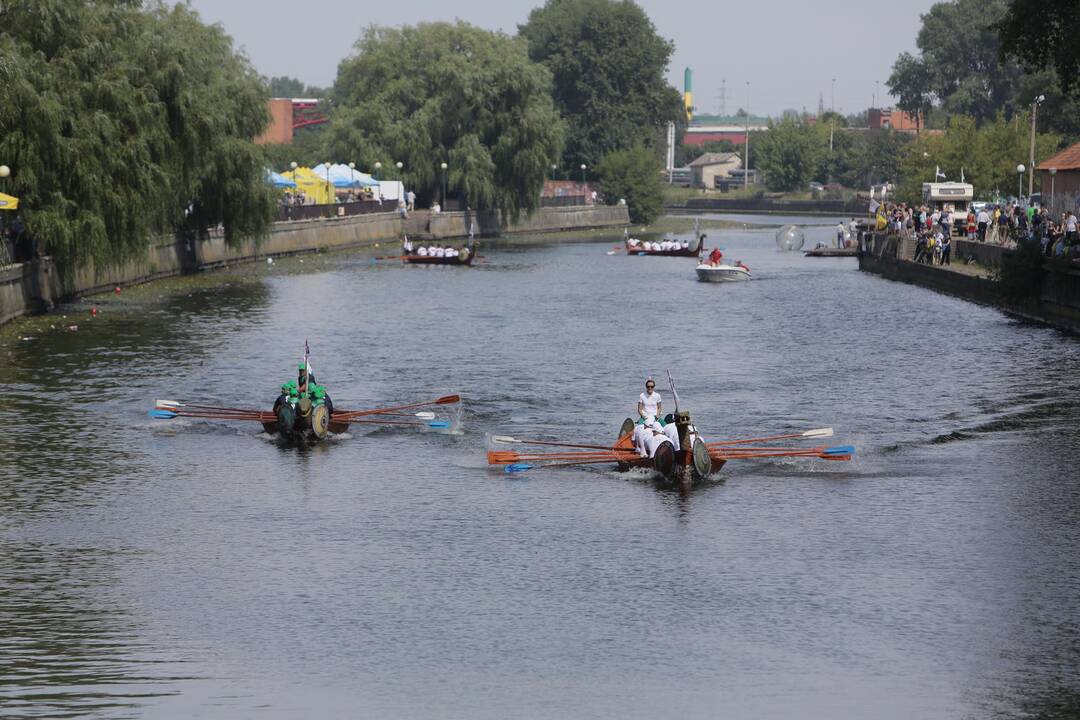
(983, 221)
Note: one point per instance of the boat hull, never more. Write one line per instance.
(721, 273)
(465, 259)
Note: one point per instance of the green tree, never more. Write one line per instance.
(1042, 34)
(910, 84)
(436, 92)
(790, 154)
(286, 87)
(122, 122)
(633, 175)
(608, 64)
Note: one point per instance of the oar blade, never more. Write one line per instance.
(839, 450)
(518, 468)
(448, 400)
(168, 403)
(425, 415)
(504, 439)
(819, 433)
(162, 414)
(439, 424)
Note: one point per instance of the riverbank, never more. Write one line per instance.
(974, 275)
(768, 206)
(37, 286)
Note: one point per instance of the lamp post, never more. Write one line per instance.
(443, 167)
(1031, 158)
(292, 165)
(378, 167)
(746, 146)
(5, 171)
(1053, 172)
(1020, 186)
(554, 170)
(583, 166)
(399, 165)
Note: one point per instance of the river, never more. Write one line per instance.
(181, 569)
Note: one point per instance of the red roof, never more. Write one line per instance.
(1067, 159)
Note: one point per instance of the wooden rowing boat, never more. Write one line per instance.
(465, 257)
(305, 422)
(694, 461)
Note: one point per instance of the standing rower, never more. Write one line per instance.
(649, 409)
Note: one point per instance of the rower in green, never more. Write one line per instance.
(304, 392)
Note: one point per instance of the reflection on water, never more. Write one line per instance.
(186, 568)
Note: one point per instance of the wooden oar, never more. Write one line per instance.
(522, 467)
(444, 400)
(508, 439)
(441, 424)
(502, 457)
(173, 404)
(818, 433)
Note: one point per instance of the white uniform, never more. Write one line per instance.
(422, 251)
(650, 403)
(647, 438)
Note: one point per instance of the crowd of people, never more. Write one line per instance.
(1006, 224)
(665, 245)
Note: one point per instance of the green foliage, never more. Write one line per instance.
(965, 62)
(910, 84)
(633, 175)
(1042, 34)
(121, 123)
(988, 156)
(307, 149)
(608, 65)
(790, 153)
(438, 93)
(288, 87)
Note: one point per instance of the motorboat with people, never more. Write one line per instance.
(716, 269)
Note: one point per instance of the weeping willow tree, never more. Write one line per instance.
(123, 120)
(452, 93)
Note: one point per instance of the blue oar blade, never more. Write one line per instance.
(518, 467)
(840, 450)
(439, 424)
(162, 414)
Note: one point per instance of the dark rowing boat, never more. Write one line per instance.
(464, 257)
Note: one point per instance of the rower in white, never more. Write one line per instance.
(649, 409)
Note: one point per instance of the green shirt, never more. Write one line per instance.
(291, 390)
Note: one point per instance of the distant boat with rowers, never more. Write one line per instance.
(437, 254)
(668, 247)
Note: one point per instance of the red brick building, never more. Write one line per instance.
(1061, 189)
(287, 115)
(893, 119)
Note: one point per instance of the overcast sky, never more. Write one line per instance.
(789, 50)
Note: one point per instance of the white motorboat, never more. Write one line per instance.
(722, 273)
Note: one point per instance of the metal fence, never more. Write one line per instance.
(313, 212)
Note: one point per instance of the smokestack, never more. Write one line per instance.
(688, 96)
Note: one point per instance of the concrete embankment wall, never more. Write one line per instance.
(35, 286)
(1058, 303)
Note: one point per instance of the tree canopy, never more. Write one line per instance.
(120, 122)
(966, 62)
(1043, 33)
(790, 154)
(608, 64)
(633, 175)
(454, 93)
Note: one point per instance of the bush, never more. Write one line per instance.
(633, 175)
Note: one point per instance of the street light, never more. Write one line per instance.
(1031, 159)
(293, 166)
(399, 165)
(352, 173)
(5, 171)
(554, 169)
(1053, 172)
(1020, 188)
(746, 145)
(329, 196)
(443, 166)
(378, 166)
(583, 166)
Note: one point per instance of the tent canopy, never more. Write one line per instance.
(278, 181)
(7, 202)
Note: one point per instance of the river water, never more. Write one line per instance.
(184, 569)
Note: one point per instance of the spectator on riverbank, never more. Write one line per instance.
(982, 222)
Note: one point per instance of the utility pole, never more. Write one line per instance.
(746, 165)
(1031, 158)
